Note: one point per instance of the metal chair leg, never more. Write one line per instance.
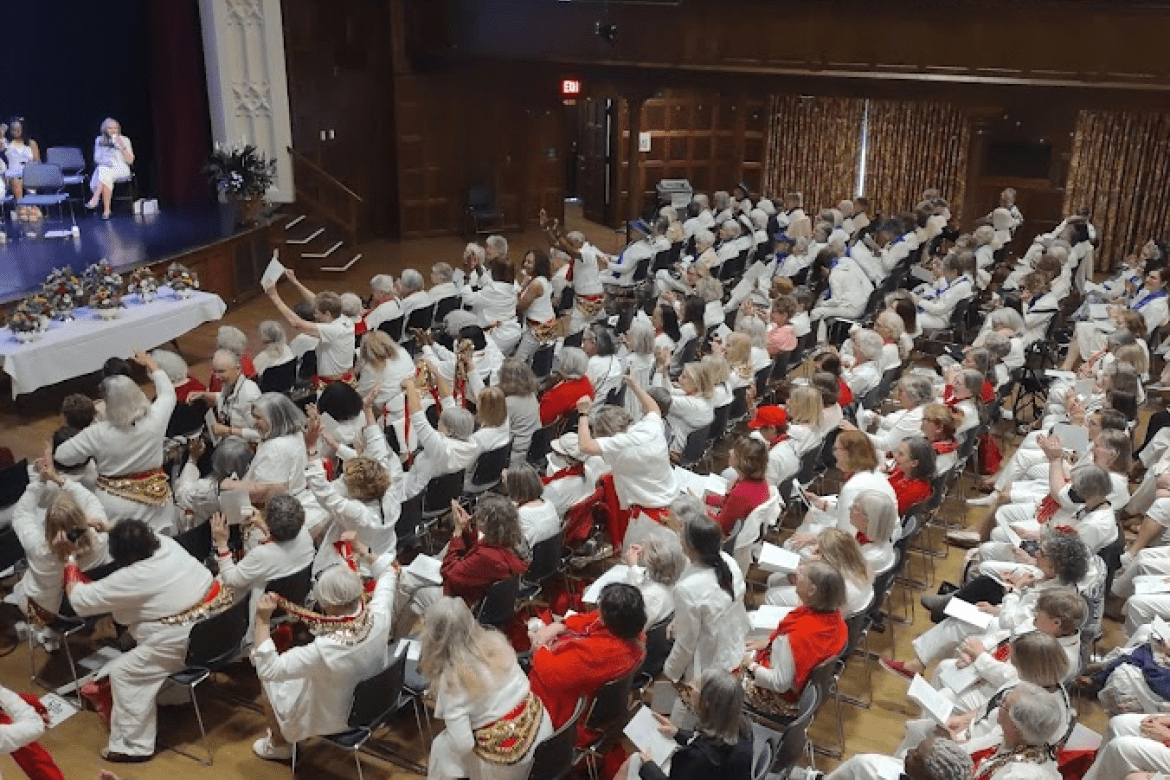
(202, 730)
(357, 760)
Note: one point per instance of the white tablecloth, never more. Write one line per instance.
(82, 345)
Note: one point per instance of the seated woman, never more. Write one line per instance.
(866, 371)
(778, 669)
(876, 525)
(605, 368)
(749, 459)
(738, 356)
(856, 459)
(1150, 302)
(179, 374)
(198, 497)
(841, 551)
(781, 334)
(113, 154)
(535, 303)
(912, 393)
(575, 657)
(341, 432)
(691, 407)
(538, 516)
(654, 567)
(806, 419)
(309, 688)
(913, 472)
(570, 383)
(492, 720)
(719, 746)
(284, 547)
(938, 426)
(18, 150)
(519, 386)
(491, 418)
(691, 333)
(492, 297)
(276, 351)
(936, 305)
(444, 449)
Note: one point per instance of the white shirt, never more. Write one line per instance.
(896, 426)
(605, 374)
(383, 312)
(492, 303)
(586, 271)
(233, 406)
(419, 299)
(336, 348)
(849, 290)
(440, 455)
(280, 461)
(390, 375)
(540, 308)
(640, 460)
(539, 521)
(710, 627)
(26, 724)
(121, 451)
(266, 562)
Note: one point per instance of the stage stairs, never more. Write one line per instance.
(321, 234)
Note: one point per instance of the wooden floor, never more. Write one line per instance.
(25, 426)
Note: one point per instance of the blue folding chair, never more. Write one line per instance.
(43, 185)
(71, 161)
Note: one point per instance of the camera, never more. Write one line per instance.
(73, 534)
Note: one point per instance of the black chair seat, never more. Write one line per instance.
(349, 739)
(414, 682)
(190, 676)
(528, 591)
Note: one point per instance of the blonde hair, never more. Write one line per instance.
(739, 349)
(491, 407)
(717, 368)
(805, 407)
(366, 479)
(840, 550)
(377, 348)
(1039, 659)
(701, 378)
(458, 652)
(65, 514)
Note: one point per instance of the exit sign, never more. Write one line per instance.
(570, 88)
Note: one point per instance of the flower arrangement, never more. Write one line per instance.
(241, 172)
(100, 274)
(64, 290)
(36, 306)
(106, 300)
(23, 325)
(182, 280)
(143, 283)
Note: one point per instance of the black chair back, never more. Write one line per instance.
(695, 447)
(611, 703)
(738, 407)
(443, 307)
(498, 604)
(187, 418)
(294, 587)
(762, 377)
(196, 541)
(375, 698)
(218, 640)
(542, 360)
(541, 444)
(308, 366)
(642, 270)
(11, 550)
(553, 758)
(440, 492)
(279, 378)
(393, 328)
(13, 482)
(419, 319)
(617, 396)
(795, 737)
(575, 339)
(490, 465)
(658, 647)
(546, 559)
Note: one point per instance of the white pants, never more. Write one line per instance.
(447, 762)
(928, 321)
(1140, 610)
(107, 175)
(664, 280)
(752, 277)
(579, 320)
(941, 639)
(1023, 459)
(135, 680)
(506, 335)
(1124, 750)
(867, 766)
(1151, 560)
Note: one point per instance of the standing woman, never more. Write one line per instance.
(710, 622)
(113, 154)
(493, 720)
(535, 303)
(18, 149)
(494, 303)
(383, 364)
(127, 449)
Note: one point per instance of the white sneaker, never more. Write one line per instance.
(804, 773)
(264, 748)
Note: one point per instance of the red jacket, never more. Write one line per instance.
(578, 662)
(740, 501)
(909, 491)
(470, 566)
(563, 397)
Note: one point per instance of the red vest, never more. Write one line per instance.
(813, 638)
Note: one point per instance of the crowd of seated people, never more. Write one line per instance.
(576, 400)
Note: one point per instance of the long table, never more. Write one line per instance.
(80, 346)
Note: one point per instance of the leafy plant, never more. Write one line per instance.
(240, 171)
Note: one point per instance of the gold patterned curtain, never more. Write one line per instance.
(1120, 170)
(912, 147)
(814, 146)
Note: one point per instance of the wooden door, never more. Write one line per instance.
(595, 157)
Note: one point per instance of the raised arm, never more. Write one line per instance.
(299, 325)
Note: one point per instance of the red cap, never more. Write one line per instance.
(772, 416)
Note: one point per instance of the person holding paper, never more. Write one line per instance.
(309, 688)
(841, 551)
(198, 497)
(127, 449)
(814, 632)
(720, 744)
(912, 392)
(1150, 301)
(493, 721)
(335, 331)
(654, 567)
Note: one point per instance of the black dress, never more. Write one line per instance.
(702, 757)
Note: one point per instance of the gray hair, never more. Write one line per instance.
(608, 420)
(984, 234)
(126, 404)
(687, 509)
(444, 271)
(663, 557)
(722, 199)
(572, 362)
(640, 338)
(881, 515)
(828, 586)
(755, 328)
(701, 200)
(232, 358)
(917, 388)
(891, 321)
(383, 284)
(272, 332)
(663, 398)
(475, 251)
(759, 218)
(351, 305)
(107, 122)
(1091, 481)
(576, 238)
(499, 245)
(338, 586)
(720, 706)
(869, 344)
(1035, 712)
(704, 237)
(231, 459)
(232, 338)
(997, 345)
(733, 229)
(1006, 317)
(942, 759)
(411, 280)
(458, 319)
(172, 365)
(458, 423)
(709, 289)
(282, 415)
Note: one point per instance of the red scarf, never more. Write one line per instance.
(812, 637)
(1048, 508)
(575, 470)
(862, 538)
(33, 758)
(944, 447)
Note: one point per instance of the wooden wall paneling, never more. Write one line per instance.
(594, 161)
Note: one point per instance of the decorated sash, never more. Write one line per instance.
(508, 740)
(146, 487)
(215, 601)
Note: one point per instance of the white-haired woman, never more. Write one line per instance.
(310, 688)
(113, 154)
(176, 369)
(235, 341)
(275, 351)
(866, 354)
(127, 449)
(493, 720)
(638, 362)
(198, 496)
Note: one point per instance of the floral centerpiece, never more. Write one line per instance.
(182, 280)
(106, 300)
(65, 292)
(243, 174)
(24, 326)
(143, 283)
(100, 274)
(38, 307)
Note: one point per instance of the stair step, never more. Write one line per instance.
(342, 268)
(306, 239)
(294, 222)
(326, 253)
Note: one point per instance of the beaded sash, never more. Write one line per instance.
(589, 305)
(509, 739)
(345, 629)
(149, 487)
(215, 601)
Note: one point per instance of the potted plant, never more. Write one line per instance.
(243, 174)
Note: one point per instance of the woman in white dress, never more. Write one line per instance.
(127, 449)
(494, 303)
(691, 406)
(113, 154)
(18, 151)
(654, 566)
(535, 303)
(309, 688)
(493, 720)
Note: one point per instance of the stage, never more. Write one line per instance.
(204, 239)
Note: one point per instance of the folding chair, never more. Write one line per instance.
(553, 758)
(547, 562)
(607, 717)
(71, 161)
(48, 183)
(498, 604)
(489, 467)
